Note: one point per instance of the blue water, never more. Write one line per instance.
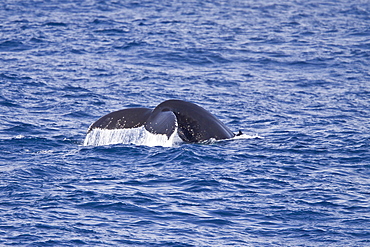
(294, 73)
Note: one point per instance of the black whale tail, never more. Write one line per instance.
(192, 122)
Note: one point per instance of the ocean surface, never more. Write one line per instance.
(294, 76)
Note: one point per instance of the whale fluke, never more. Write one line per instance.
(195, 124)
(192, 122)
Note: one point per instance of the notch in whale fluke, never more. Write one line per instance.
(192, 122)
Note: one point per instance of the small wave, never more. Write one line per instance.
(13, 45)
(137, 136)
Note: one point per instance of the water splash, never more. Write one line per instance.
(140, 136)
(245, 136)
(137, 136)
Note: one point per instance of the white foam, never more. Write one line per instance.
(236, 137)
(245, 136)
(137, 136)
